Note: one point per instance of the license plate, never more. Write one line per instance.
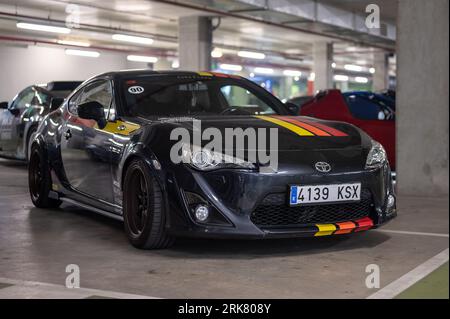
(324, 193)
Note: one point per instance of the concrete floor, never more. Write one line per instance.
(36, 245)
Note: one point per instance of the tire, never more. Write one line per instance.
(144, 209)
(39, 180)
(27, 145)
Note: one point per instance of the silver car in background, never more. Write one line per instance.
(20, 118)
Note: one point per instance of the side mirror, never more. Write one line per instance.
(92, 111)
(3, 105)
(15, 112)
(55, 103)
(293, 108)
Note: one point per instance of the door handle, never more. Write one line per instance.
(68, 134)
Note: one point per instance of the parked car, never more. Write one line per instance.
(389, 93)
(20, 118)
(373, 113)
(300, 100)
(108, 148)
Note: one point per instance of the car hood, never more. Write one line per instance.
(294, 132)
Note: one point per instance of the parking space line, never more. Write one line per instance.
(33, 289)
(410, 278)
(411, 233)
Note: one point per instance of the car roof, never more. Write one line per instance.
(62, 85)
(141, 72)
(364, 93)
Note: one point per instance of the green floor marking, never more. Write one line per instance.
(433, 286)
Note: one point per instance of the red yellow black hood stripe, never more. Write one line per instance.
(291, 127)
(302, 127)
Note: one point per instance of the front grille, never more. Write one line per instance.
(274, 211)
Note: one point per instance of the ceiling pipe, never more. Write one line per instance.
(274, 24)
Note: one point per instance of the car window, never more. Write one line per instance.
(365, 108)
(42, 98)
(23, 100)
(192, 95)
(73, 102)
(99, 91)
(239, 98)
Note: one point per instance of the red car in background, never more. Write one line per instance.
(373, 113)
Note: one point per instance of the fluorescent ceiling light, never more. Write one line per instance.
(131, 39)
(216, 53)
(42, 27)
(292, 73)
(142, 58)
(230, 67)
(361, 79)
(251, 55)
(372, 70)
(339, 77)
(90, 54)
(74, 43)
(263, 70)
(352, 67)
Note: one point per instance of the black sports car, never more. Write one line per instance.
(110, 148)
(20, 119)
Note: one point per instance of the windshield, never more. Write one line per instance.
(160, 96)
(370, 107)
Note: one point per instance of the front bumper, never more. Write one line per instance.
(234, 195)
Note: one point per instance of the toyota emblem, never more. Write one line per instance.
(323, 167)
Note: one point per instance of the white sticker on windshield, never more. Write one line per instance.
(136, 89)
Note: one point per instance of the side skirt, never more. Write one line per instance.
(93, 209)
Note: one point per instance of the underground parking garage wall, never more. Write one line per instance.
(21, 66)
(423, 97)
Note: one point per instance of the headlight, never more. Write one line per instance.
(377, 156)
(205, 159)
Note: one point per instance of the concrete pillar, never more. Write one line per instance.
(381, 75)
(423, 97)
(195, 43)
(286, 84)
(323, 57)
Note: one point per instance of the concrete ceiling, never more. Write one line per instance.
(98, 20)
(388, 8)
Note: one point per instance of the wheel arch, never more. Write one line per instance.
(148, 157)
(27, 136)
(145, 154)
